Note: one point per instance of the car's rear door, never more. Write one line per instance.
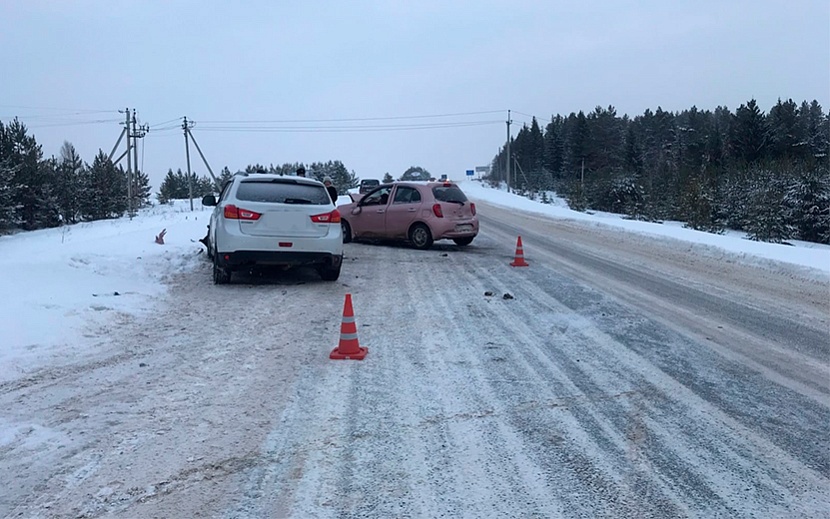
(402, 212)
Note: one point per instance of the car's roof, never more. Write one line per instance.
(277, 177)
(428, 183)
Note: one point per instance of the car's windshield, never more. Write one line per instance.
(279, 192)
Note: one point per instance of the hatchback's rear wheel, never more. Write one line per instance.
(221, 276)
(420, 236)
(463, 241)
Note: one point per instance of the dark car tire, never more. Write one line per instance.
(329, 273)
(347, 231)
(221, 276)
(420, 236)
(463, 241)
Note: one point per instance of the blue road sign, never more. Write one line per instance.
(470, 172)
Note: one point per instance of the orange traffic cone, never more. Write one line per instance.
(349, 347)
(520, 255)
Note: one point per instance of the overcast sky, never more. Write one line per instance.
(383, 67)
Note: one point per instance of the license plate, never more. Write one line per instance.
(463, 228)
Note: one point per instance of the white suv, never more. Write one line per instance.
(265, 219)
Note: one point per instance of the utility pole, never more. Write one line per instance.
(215, 181)
(116, 146)
(507, 159)
(138, 133)
(129, 166)
(186, 128)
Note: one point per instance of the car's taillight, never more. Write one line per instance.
(236, 213)
(332, 217)
(473, 208)
(436, 208)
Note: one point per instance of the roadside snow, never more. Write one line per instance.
(806, 254)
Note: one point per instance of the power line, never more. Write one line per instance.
(170, 121)
(79, 110)
(527, 115)
(166, 128)
(75, 123)
(344, 129)
(358, 119)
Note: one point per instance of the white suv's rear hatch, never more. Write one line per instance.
(286, 208)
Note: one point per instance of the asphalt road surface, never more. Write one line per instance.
(616, 376)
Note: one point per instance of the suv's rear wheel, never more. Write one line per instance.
(329, 273)
(347, 231)
(420, 236)
(221, 276)
(463, 241)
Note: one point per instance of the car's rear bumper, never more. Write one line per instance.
(250, 258)
(461, 229)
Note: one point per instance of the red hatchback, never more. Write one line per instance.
(417, 212)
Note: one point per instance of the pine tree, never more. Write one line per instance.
(9, 187)
(69, 172)
(167, 189)
(606, 140)
(808, 199)
(224, 177)
(141, 190)
(554, 149)
(768, 217)
(106, 188)
(48, 214)
(257, 168)
(22, 154)
(342, 178)
(8, 195)
(816, 129)
(750, 136)
(576, 145)
(202, 186)
(786, 138)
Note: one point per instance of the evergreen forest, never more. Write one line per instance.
(762, 173)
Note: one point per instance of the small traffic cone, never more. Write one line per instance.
(349, 347)
(520, 255)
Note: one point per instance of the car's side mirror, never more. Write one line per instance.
(209, 200)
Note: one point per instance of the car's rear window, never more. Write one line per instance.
(370, 182)
(448, 194)
(279, 192)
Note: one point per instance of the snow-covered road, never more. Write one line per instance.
(626, 377)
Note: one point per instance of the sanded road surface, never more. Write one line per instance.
(616, 376)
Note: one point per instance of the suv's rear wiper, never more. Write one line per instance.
(296, 201)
